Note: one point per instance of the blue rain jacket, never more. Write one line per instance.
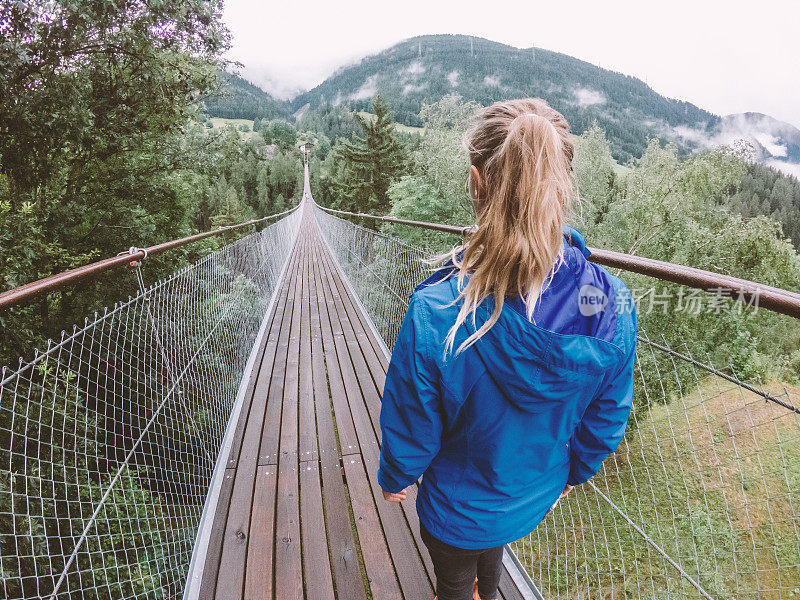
(497, 431)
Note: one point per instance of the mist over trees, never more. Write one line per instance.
(237, 98)
(423, 69)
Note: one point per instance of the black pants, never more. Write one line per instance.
(457, 568)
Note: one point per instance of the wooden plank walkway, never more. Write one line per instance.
(300, 513)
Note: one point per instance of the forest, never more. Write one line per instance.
(423, 69)
(104, 146)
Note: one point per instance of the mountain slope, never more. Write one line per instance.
(243, 100)
(425, 68)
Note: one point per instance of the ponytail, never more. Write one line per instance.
(523, 151)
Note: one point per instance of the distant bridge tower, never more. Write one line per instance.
(306, 148)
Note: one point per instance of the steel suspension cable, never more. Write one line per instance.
(764, 296)
(135, 255)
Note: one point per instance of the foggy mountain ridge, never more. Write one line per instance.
(423, 69)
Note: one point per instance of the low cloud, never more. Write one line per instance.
(271, 81)
(787, 168)
(367, 89)
(415, 68)
(690, 134)
(491, 80)
(588, 97)
(769, 138)
(771, 144)
(452, 77)
(409, 88)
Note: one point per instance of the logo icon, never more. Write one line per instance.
(591, 300)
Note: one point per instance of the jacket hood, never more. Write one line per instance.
(531, 364)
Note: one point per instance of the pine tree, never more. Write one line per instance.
(232, 211)
(370, 163)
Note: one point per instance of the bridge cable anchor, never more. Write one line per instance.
(132, 251)
(136, 264)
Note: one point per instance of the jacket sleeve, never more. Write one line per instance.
(411, 421)
(606, 418)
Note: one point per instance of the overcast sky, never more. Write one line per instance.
(727, 57)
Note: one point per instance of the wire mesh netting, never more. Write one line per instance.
(383, 270)
(109, 436)
(702, 498)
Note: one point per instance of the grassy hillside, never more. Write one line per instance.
(423, 69)
(219, 123)
(712, 478)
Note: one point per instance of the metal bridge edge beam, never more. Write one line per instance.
(520, 576)
(194, 576)
(515, 569)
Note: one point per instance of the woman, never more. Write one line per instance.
(512, 375)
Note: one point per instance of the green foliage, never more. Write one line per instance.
(101, 149)
(440, 156)
(594, 176)
(280, 133)
(766, 191)
(241, 180)
(237, 98)
(364, 167)
(329, 121)
(435, 190)
(666, 209)
(93, 102)
(414, 198)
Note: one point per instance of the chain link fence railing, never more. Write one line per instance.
(702, 498)
(109, 436)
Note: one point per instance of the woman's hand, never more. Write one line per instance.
(398, 497)
(567, 489)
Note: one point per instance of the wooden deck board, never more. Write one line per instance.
(316, 562)
(258, 583)
(300, 513)
(288, 560)
(344, 554)
(404, 551)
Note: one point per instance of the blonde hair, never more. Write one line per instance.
(523, 151)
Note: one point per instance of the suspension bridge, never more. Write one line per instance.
(216, 436)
